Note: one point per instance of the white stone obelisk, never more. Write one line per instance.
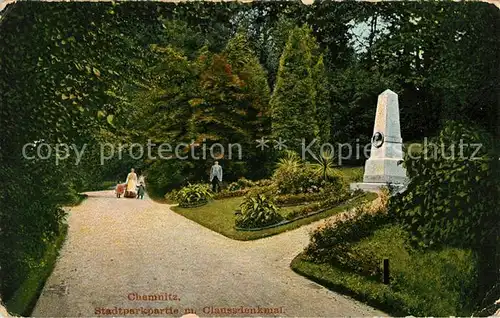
(384, 165)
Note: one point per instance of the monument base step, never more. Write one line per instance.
(376, 187)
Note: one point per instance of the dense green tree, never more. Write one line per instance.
(232, 105)
(166, 101)
(246, 66)
(324, 110)
(439, 59)
(354, 92)
(293, 102)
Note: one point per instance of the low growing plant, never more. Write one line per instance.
(324, 167)
(326, 191)
(194, 195)
(258, 211)
(293, 176)
(333, 242)
(241, 184)
(234, 186)
(270, 190)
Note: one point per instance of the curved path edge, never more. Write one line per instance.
(120, 249)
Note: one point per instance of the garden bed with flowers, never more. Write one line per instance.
(298, 193)
(305, 211)
(219, 216)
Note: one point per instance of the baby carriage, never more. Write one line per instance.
(120, 189)
(130, 194)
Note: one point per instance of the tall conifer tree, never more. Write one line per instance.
(293, 103)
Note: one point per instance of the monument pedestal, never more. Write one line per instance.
(384, 170)
(384, 165)
(376, 186)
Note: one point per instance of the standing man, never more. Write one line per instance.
(216, 176)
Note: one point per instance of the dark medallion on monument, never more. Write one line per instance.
(377, 139)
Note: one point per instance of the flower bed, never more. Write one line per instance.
(242, 187)
(307, 211)
(313, 208)
(301, 198)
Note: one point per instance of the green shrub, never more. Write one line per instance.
(258, 211)
(245, 183)
(287, 168)
(303, 211)
(333, 242)
(270, 190)
(292, 176)
(295, 199)
(326, 192)
(234, 186)
(194, 195)
(241, 184)
(324, 167)
(461, 209)
(30, 217)
(263, 182)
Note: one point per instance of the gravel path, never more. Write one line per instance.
(118, 247)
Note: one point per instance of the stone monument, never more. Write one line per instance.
(384, 165)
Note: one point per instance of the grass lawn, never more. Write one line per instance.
(219, 216)
(352, 174)
(24, 299)
(434, 283)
